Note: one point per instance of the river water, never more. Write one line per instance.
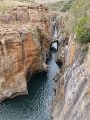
(38, 103)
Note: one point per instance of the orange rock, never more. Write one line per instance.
(21, 48)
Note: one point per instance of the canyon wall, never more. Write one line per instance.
(72, 90)
(24, 47)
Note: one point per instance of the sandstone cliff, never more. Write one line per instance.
(72, 90)
(24, 47)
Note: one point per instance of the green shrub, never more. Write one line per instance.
(54, 8)
(45, 35)
(36, 35)
(82, 30)
(3, 11)
(67, 6)
(85, 49)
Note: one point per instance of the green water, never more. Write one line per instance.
(38, 103)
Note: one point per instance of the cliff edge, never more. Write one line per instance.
(72, 90)
(24, 47)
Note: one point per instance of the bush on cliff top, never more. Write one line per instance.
(82, 30)
(67, 6)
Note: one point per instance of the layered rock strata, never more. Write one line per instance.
(24, 47)
(72, 101)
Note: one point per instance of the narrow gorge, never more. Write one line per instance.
(45, 60)
(72, 101)
(27, 53)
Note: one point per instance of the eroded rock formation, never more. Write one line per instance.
(24, 47)
(72, 101)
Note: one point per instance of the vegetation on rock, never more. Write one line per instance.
(45, 35)
(67, 6)
(82, 30)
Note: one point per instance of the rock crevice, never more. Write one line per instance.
(72, 87)
(21, 51)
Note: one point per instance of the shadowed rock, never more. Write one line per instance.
(21, 53)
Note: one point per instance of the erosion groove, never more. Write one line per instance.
(32, 36)
(21, 53)
(72, 87)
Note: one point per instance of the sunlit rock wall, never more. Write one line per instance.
(72, 101)
(24, 47)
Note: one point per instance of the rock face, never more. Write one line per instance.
(72, 101)
(24, 47)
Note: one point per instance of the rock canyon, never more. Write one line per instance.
(27, 33)
(24, 47)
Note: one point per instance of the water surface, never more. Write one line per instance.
(37, 104)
